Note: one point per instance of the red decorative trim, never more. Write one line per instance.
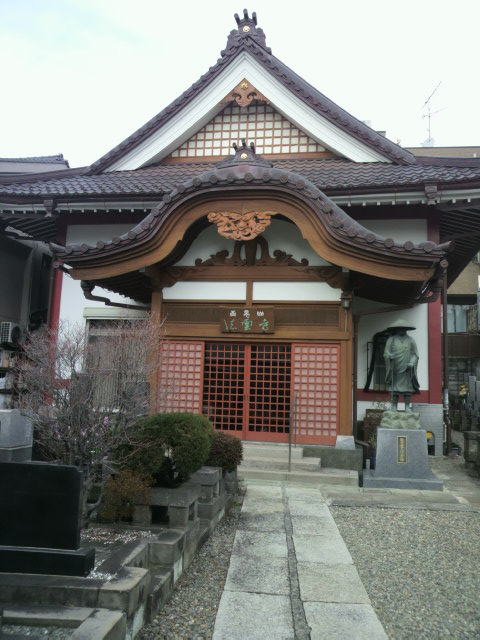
(384, 396)
(56, 299)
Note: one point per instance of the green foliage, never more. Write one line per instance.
(121, 492)
(172, 446)
(226, 451)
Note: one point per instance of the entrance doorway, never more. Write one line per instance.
(248, 390)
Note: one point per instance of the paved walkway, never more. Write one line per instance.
(291, 574)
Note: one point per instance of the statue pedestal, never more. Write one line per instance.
(401, 461)
(401, 420)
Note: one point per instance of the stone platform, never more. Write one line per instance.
(401, 462)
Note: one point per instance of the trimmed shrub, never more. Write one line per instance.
(122, 491)
(172, 446)
(226, 451)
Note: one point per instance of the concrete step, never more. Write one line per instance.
(304, 464)
(269, 450)
(323, 476)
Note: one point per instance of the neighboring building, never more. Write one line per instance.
(25, 273)
(273, 266)
(37, 164)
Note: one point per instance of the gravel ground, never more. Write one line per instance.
(191, 611)
(58, 633)
(420, 568)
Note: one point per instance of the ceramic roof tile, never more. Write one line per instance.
(328, 175)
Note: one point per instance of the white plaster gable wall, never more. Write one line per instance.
(73, 301)
(369, 325)
(199, 111)
(279, 235)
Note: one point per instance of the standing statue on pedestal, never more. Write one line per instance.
(401, 357)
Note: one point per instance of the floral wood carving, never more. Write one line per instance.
(281, 258)
(243, 94)
(241, 226)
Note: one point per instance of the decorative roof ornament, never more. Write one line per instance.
(247, 28)
(241, 226)
(244, 155)
(243, 94)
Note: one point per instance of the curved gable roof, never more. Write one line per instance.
(345, 240)
(250, 39)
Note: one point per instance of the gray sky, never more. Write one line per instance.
(79, 76)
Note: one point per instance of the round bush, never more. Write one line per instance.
(171, 446)
(122, 491)
(226, 451)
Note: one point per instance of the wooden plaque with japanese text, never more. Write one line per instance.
(247, 319)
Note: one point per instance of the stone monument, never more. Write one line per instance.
(40, 507)
(402, 452)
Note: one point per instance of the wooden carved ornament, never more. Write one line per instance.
(243, 94)
(241, 226)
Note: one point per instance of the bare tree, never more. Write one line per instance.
(84, 394)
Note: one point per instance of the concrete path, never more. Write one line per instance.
(290, 573)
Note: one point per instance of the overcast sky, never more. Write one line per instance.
(79, 76)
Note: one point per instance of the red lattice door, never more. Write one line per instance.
(268, 415)
(246, 390)
(316, 382)
(224, 386)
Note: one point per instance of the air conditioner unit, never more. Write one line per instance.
(10, 332)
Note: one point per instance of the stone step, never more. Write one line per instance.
(323, 476)
(268, 450)
(304, 464)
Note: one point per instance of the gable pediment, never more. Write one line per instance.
(257, 122)
(207, 102)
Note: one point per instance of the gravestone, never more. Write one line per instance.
(40, 507)
(401, 462)
(16, 436)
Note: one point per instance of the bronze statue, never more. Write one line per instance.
(401, 357)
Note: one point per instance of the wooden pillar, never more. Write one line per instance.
(56, 280)
(156, 316)
(434, 334)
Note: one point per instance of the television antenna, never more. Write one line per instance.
(429, 142)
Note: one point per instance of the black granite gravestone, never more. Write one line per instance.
(40, 509)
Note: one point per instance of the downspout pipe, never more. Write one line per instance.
(87, 288)
(446, 417)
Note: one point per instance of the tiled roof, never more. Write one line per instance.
(38, 159)
(247, 168)
(328, 175)
(252, 41)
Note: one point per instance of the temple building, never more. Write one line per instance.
(276, 236)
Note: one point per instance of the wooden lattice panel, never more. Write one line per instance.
(258, 123)
(223, 386)
(269, 397)
(316, 381)
(180, 379)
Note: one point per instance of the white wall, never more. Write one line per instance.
(399, 230)
(371, 324)
(73, 301)
(279, 235)
(295, 291)
(206, 291)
